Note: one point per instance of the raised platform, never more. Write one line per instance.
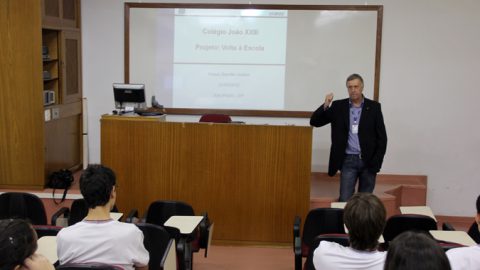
(393, 190)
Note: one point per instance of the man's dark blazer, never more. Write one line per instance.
(371, 133)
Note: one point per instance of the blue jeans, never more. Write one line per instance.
(353, 168)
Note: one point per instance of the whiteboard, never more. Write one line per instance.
(243, 60)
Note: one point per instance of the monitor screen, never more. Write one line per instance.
(129, 95)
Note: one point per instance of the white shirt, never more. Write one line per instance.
(102, 242)
(330, 255)
(464, 258)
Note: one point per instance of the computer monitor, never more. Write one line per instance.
(129, 95)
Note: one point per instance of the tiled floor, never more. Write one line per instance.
(245, 258)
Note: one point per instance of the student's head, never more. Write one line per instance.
(477, 217)
(97, 185)
(364, 216)
(18, 241)
(478, 204)
(415, 250)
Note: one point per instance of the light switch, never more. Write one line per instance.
(47, 115)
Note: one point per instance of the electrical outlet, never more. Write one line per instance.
(55, 113)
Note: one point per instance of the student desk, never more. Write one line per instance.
(186, 225)
(417, 210)
(459, 237)
(340, 205)
(47, 246)
(116, 215)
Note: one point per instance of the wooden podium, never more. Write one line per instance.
(251, 179)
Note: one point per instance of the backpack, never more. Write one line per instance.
(61, 179)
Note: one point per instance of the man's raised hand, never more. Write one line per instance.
(328, 100)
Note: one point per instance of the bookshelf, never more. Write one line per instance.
(61, 37)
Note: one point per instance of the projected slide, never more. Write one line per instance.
(237, 56)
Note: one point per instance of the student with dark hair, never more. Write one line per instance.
(466, 257)
(99, 239)
(415, 250)
(18, 243)
(364, 217)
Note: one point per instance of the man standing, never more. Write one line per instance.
(359, 139)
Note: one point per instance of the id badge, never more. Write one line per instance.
(355, 129)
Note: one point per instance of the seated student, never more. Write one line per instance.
(99, 239)
(18, 243)
(466, 257)
(415, 250)
(364, 216)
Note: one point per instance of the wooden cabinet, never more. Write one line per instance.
(62, 66)
(63, 144)
(51, 67)
(21, 105)
(71, 67)
(61, 13)
(39, 138)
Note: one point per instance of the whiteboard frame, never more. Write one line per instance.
(261, 113)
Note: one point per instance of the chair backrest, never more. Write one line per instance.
(46, 230)
(87, 266)
(406, 222)
(22, 205)
(447, 227)
(321, 221)
(215, 118)
(79, 210)
(160, 211)
(157, 241)
(340, 238)
(474, 233)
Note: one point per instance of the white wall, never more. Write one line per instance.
(428, 90)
